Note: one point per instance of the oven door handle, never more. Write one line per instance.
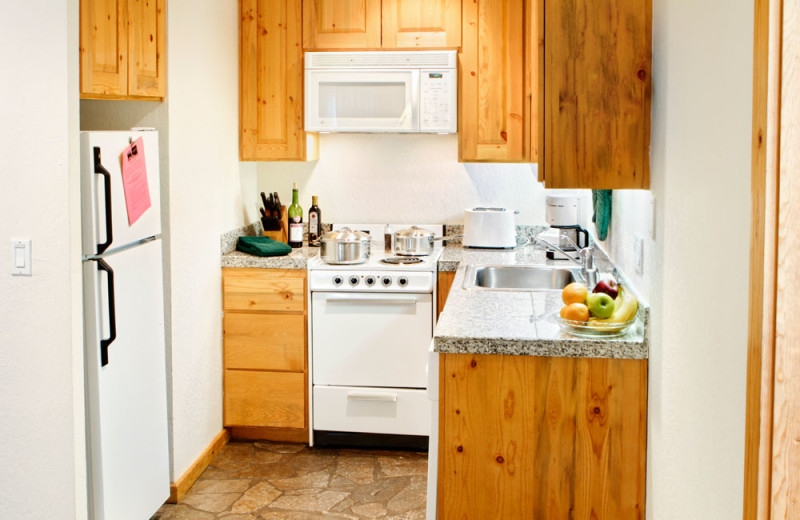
(364, 396)
(384, 301)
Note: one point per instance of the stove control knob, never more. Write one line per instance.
(370, 280)
(338, 280)
(354, 280)
(386, 281)
(402, 281)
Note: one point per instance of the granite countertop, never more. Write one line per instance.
(477, 321)
(297, 259)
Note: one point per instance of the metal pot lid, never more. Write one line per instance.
(414, 232)
(346, 235)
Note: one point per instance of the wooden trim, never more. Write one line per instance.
(256, 433)
(86, 95)
(763, 259)
(179, 488)
(445, 282)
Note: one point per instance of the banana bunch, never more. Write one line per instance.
(625, 307)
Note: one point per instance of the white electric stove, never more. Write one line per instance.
(371, 325)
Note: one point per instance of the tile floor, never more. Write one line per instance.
(274, 481)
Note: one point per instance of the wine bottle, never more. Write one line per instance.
(314, 223)
(295, 220)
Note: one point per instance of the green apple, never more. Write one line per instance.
(601, 305)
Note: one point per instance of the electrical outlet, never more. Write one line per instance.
(638, 253)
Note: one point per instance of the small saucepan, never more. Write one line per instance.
(415, 241)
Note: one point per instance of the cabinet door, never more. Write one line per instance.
(271, 81)
(494, 123)
(272, 399)
(595, 95)
(146, 48)
(342, 24)
(421, 23)
(104, 48)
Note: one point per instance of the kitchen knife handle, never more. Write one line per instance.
(98, 169)
(112, 313)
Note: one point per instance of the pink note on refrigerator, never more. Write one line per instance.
(134, 180)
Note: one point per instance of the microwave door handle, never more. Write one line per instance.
(415, 101)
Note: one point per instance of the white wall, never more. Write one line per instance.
(696, 269)
(205, 197)
(376, 178)
(40, 340)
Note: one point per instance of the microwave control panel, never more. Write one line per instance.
(438, 99)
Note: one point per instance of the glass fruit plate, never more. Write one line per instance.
(597, 330)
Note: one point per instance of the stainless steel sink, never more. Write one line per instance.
(518, 277)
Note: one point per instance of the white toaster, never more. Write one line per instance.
(489, 228)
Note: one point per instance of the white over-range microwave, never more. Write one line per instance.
(381, 91)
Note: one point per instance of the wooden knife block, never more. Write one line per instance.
(282, 235)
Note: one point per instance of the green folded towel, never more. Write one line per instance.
(262, 246)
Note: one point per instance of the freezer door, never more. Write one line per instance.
(127, 436)
(102, 187)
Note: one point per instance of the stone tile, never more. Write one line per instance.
(212, 473)
(339, 483)
(277, 470)
(371, 510)
(318, 479)
(234, 456)
(309, 460)
(357, 469)
(214, 503)
(236, 517)
(402, 466)
(255, 498)
(220, 486)
(298, 515)
(413, 496)
(419, 514)
(344, 505)
(322, 501)
(380, 491)
(266, 457)
(280, 447)
(180, 512)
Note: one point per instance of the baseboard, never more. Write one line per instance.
(179, 488)
(257, 433)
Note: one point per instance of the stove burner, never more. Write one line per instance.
(401, 260)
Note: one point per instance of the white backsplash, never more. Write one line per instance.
(403, 178)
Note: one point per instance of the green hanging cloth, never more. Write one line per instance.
(601, 202)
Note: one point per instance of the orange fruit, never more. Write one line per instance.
(575, 312)
(574, 293)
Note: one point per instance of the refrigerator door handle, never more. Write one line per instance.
(99, 169)
(112, 313)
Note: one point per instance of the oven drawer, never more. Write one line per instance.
(371, 410)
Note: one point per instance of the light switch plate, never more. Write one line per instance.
(21, 257)
(638, 254)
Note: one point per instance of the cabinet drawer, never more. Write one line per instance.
(371, 410)
(263, 289)
(255, 398)
(264, 341)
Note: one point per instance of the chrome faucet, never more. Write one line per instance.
(588, 270)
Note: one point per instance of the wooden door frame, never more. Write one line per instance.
(768, 98)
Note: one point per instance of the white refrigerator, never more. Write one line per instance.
(126, 386)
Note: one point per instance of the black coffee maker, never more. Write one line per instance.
(562, 216)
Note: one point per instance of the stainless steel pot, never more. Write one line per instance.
(415, 241)
(344, 247)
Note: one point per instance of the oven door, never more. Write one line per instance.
(361, 101)
(365, 339)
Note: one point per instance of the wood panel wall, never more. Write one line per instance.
(772, 453)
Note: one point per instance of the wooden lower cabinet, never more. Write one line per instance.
(541, 437)
(265, 356)
(444, 282)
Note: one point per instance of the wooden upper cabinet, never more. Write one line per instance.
(342, 24)
(494, 118)
(104, 47)
(421, 23)
(146, 48)
(271, 82)
(122, 49)
(594, 97)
